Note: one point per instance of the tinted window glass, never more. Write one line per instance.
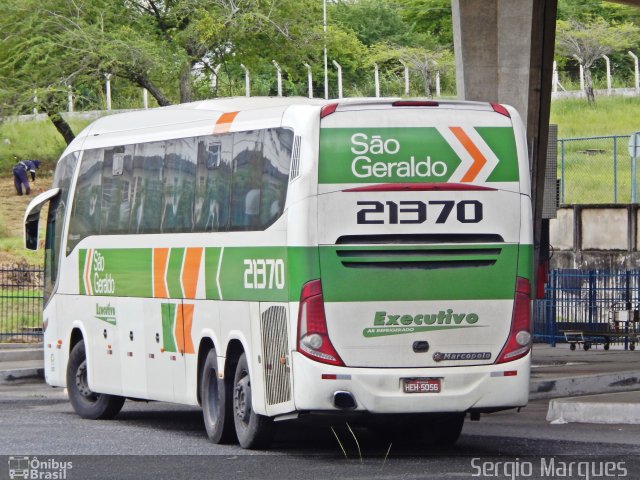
(117, 175)
(277, 145)
(246, 180)
(146, 194)
(213, 183)
(55, 221)
(85, 215)
(235, 181)
(179, 185)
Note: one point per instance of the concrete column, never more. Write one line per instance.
(309, 79)
(504, 53)
(492, 43)
(606, 59)
(145, 98)
(406, 77)
(107, 77)
(554, 80)
(279, 72)
(339, 68)
(635, 69)
(376, 79)
(247, 81)
(69, 99)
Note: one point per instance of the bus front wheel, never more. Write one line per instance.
(86, 403)
(216, 402)
(254, 431)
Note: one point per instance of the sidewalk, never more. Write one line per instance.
(21, 363)
(581, 386)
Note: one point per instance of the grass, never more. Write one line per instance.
(589, 164)
(21, 309)
(33, 140)
(608, 116)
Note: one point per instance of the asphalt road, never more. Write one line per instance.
(159, 440)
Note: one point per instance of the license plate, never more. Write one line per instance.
(421, 385)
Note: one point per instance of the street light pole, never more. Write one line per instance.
(326, 72)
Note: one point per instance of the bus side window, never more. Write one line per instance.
(212, 183)
(85, 214)
(117, 175)
(146, 193)
(277, 147)
(246, 180)
(179, 185)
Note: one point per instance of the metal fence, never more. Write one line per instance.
(595, 170)
(583, 300)
(21, 304)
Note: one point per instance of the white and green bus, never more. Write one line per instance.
(270, 258)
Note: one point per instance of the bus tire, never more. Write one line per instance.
(254, 431)
(88, 404)
(216, 402)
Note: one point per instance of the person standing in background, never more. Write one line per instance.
(20, 178)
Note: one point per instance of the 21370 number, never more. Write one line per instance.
(415, 211)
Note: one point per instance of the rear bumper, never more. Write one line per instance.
(378, 390)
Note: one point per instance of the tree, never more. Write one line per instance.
(587, 42)
(50, 45)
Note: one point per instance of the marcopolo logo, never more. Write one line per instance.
(388, 324)
(368, 150)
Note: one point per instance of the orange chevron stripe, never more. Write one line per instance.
(223, 125)
(160, 257)
(190, 271)
(183, 326)
(479, 160)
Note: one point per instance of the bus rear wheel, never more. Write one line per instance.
(254, 431)
(86, 403)
(216, 402)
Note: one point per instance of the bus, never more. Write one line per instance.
(274, 258)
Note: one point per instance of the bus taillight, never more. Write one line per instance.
(519, 341)
(313, 337)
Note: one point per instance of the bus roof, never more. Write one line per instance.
(213, 110)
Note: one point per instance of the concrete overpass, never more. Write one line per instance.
(504, 53)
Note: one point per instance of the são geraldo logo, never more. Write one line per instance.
(368, 150)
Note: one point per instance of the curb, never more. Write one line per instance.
(20, 375)
(584, 385)
(21, 354)
(607, 411)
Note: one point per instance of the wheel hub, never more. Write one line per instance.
(81, 380)
(242, 399)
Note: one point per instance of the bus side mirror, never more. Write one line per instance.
(32, 217)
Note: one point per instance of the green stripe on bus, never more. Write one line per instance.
(211, 260)
(376, 282)
(118, 272)
(174, 268)
(502, 142)
(168, 316)
(82, 260)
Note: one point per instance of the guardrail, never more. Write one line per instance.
(584, 300)
(21, 290)
(595, 170)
